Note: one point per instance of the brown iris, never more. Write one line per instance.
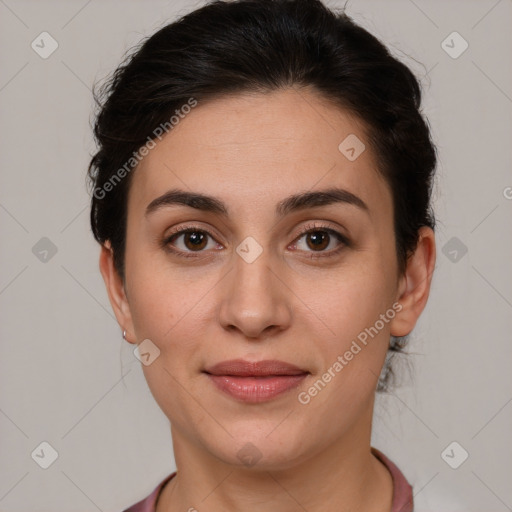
(317, 240)
(197, 239)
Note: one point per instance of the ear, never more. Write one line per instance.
(414, 286)
(116, 291)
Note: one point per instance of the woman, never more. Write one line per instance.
(261, 192)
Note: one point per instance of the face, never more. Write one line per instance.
(260, 276)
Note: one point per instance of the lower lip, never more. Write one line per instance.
(256, 389)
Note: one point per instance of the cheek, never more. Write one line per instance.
(347, 299)
(348, 303)
(353, 352)
(163, 298)
(165, 309)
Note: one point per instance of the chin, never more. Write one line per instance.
(257, 450)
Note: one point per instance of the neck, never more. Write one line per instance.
(344, 476)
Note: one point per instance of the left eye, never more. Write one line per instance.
(318, 240)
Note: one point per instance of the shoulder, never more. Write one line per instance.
(148, 504)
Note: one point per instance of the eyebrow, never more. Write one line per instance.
(290, 204)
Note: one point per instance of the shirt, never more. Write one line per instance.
(402, 491)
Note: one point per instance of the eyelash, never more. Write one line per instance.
(308, 228)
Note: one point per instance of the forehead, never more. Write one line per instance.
(251, 150)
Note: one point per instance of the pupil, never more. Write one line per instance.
(318, 239)
(196, 239)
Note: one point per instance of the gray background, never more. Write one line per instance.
(68, 378)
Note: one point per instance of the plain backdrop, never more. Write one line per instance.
(67, 378)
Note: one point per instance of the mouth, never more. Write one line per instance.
(255, 382)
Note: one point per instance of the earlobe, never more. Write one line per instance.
(115, 290)
(414, 286)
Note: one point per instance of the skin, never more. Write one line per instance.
(251, 151)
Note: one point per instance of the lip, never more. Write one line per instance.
(243, 368)
(255, 382)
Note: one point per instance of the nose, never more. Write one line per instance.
(255, 301)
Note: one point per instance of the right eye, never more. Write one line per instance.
(189, 240)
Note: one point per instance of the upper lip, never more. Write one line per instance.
(242, 368)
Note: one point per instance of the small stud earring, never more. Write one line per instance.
(124, 335)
